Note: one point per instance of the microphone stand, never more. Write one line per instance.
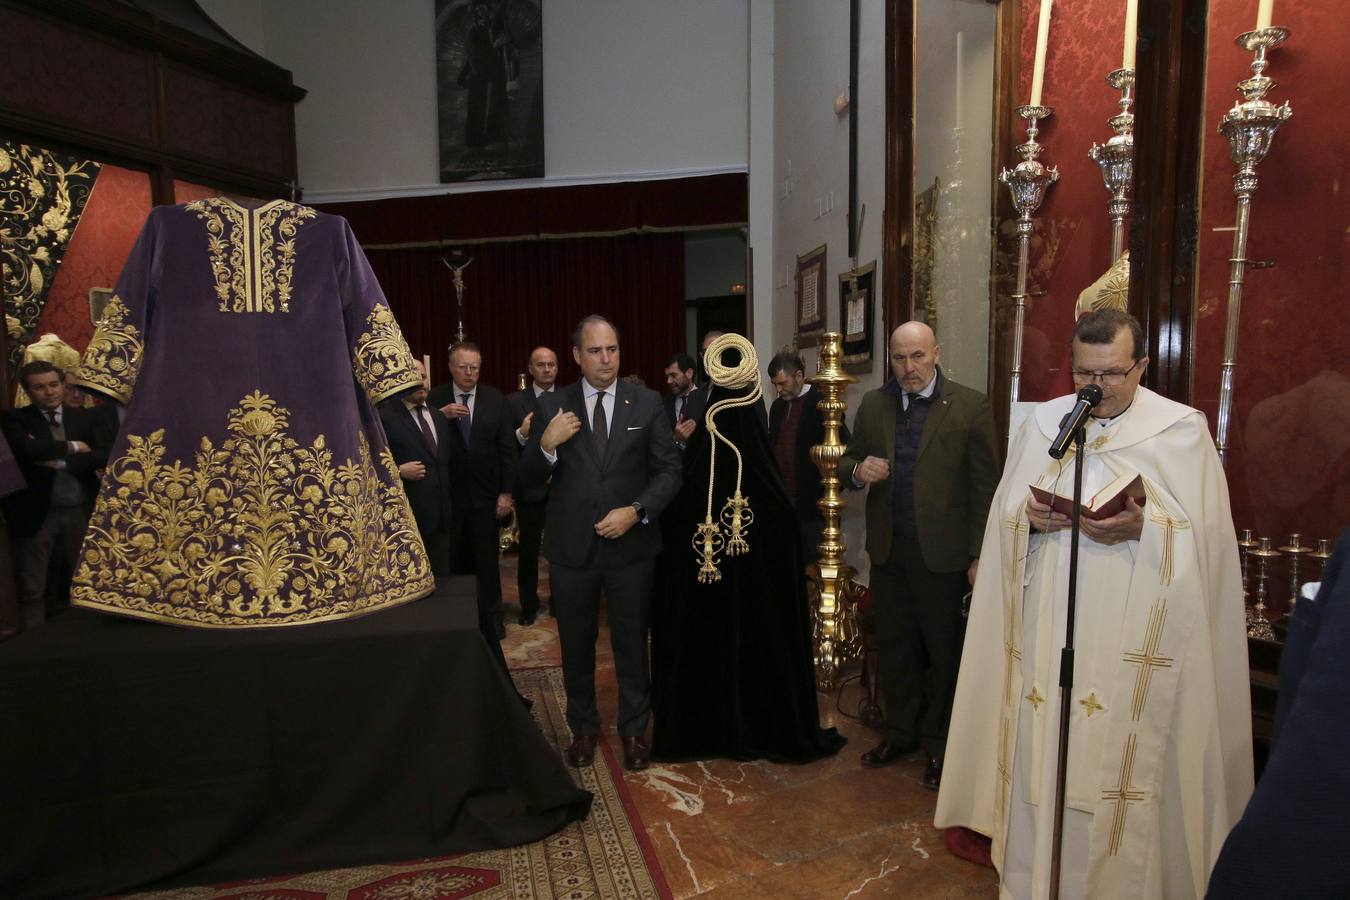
(1066, 667)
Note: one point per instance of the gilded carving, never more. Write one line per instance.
(112, 360)
(381, 357)
(260, 531)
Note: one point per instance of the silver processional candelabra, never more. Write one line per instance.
(1028, 182)
(1116, 158)
(1250, 128)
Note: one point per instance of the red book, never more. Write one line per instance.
(1104, 504)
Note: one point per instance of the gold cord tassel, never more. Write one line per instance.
(736, 516)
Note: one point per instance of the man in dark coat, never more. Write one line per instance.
(607, 447)
(796, 424)
(59, 449)
(530, 502)
(925, 447)
(1291, 839)
(483, 456)
(419, 439)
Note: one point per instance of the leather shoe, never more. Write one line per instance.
(932, 776)
(636, 754)
(884, 754)
(526, 619)
(581, 753)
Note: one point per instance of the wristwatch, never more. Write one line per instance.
(641, 513)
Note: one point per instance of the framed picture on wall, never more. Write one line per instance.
(490, 89)
(811, 297)
(857, 318)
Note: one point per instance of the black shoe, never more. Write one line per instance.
(499, 628)
(932, 776)
(526, 618)
(581, 753)
(884, 754)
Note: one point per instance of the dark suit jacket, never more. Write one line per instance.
(430, 496)
(30, 436)
(487, 466)
(693, 407)
(521, 404)
(641, 464)
(954, 479)
(810, 431)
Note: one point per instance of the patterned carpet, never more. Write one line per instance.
(608, 855)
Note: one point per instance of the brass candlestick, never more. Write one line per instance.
(1321, 555)
(833, 631)
(1258, 626)
(1027, 181)
(1250, 127)
(1294, 550)
(1116, 158)
(1245, 546)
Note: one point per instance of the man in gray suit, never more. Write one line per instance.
(614, 467)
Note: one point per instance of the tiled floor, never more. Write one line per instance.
(831, 829)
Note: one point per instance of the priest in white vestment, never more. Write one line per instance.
(1160, 750)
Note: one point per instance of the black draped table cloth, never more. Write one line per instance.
(138, 754)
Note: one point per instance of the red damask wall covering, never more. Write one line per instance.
(112, 219)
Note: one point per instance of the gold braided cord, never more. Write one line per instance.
(736, 516)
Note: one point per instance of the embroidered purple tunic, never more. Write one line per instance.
(251, 484)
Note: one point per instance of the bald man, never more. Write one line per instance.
(923, 448)
(531, 502)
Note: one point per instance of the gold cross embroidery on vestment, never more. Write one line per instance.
(1090, 704)
(1122, 795)
(1004, 767)
(1035, 698)
(1159, 515)
(1147, 658)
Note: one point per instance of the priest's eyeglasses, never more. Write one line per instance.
(1113, 378)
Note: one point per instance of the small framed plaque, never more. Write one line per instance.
(811, 297)
(857, 318)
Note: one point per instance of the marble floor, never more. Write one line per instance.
(831, 829)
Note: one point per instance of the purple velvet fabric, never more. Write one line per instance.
(250, 484)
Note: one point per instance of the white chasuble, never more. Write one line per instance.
(1160, 759)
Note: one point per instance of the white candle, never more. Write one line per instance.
(960, 73)
(426, 362)
(1042, 40)
(1263, 14)
(1131, 31)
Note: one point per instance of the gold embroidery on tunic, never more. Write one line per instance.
(381, 357)
(1147, 658)
(1035, 698)
(253, 256)
(1123, 795)
(259, 531)
(1159, 515)
(112, 360)
(1004, 768)
(1091, 704)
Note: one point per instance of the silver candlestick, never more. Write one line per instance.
(1258, 626)
(1027, 181)
(1295, 550)
(1116, 158)
(1250, 127)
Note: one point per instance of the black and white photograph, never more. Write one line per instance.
(490, 89)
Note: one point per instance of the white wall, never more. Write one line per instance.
(633, 88)
(810, 153)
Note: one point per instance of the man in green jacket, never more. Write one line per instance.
(923, 446)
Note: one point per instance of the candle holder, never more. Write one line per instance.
(1250, 128)
(1245, 545)
(836, 632)
(1321, 555)
(1295, 551)
(1027, 181)
(1258, 626)
(1116, 158)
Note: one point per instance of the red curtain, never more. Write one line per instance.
(521, 294)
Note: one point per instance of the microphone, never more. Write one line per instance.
(1088, 397)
